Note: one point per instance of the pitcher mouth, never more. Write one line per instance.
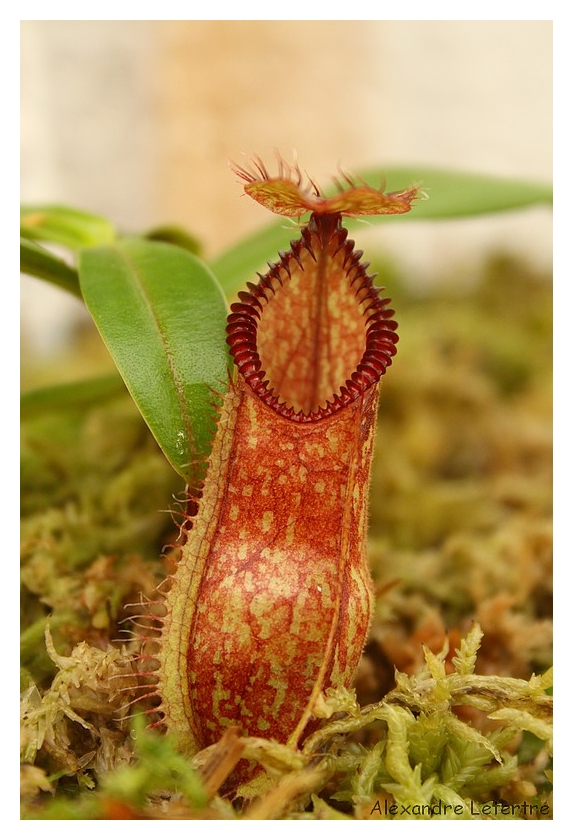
(340, 338)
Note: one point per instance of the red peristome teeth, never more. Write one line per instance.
(325, 257)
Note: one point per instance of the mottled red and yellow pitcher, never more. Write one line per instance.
(272, 599)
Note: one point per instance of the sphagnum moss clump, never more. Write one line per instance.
(459, 531)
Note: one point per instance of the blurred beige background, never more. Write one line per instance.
(137, 120)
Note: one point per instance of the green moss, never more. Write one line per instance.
(95, 497)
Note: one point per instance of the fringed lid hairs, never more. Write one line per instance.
(293, 193)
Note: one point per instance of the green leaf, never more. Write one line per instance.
(162, 316)
(38, 262)
(69, 396)
(64, 226)
(451, 195)
(175, 236)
